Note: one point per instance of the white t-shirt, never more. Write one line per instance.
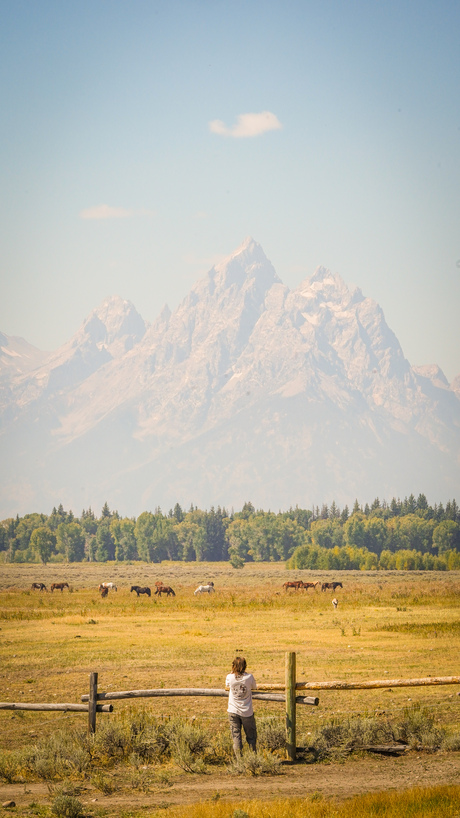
(239, 697)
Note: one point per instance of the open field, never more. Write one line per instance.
(395, 625)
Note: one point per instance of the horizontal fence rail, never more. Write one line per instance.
(429, 680)
(66, 707)
(115, 695)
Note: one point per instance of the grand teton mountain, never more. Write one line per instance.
(247, 391)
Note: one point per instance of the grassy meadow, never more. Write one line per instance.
(395, 625)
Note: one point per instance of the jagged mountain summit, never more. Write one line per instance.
(248, 390)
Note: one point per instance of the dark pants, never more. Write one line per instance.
(248, 723)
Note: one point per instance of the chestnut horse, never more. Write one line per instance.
(59, 586)
(164, 589)
(296, 584)
(308, 585)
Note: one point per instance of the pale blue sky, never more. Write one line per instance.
(137, 112)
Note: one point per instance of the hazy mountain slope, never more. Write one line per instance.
(17, 357)
(246, 391)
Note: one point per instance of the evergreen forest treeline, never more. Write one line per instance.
(402, 535)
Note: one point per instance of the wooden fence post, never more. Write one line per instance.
(92, 704)
(290, 706)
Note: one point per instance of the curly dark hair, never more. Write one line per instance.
(238, 665)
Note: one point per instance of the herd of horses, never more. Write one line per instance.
(299, 584)
(56, 586)
(161, 588)
(105, 587)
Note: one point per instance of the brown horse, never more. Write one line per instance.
(295, 584)
(38, 586)
(331, 586)
(104, 591)
(308, 585)
(59, 586)
(164, 589)
(141, 590)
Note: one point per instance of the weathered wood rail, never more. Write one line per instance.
(163, 692)
(58, 706)
(429, 680)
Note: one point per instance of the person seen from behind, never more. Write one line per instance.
(240, 710)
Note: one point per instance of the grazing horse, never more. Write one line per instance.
(295, 584)
(335, 602)
(59, 586)
(38, 586)
(205, 589)
(308, 585)
(331, 586)
(104, 591)
(141, 590)
(164, 589)
(109, 585)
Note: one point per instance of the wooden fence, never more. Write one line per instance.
(286, 693)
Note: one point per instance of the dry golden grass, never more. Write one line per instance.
(391, 625)
(433, 802)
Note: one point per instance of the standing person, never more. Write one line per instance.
(240, 710)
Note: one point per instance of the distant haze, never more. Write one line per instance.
(247, 391)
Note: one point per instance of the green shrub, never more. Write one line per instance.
(251, 763)
(418, 728)
(188, 744)
(67, 806)
(11, 764)
(271, 733)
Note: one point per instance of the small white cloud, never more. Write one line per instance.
(247, 125)
(104, 211)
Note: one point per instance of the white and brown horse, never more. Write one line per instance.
(38, 586)
(205, 589)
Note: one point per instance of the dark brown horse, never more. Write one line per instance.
(104, 591)
(331, 586)
(59, 586)
(164, 589)
(140, 590)
(38, 586)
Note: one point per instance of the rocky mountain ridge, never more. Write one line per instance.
(248, 390)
